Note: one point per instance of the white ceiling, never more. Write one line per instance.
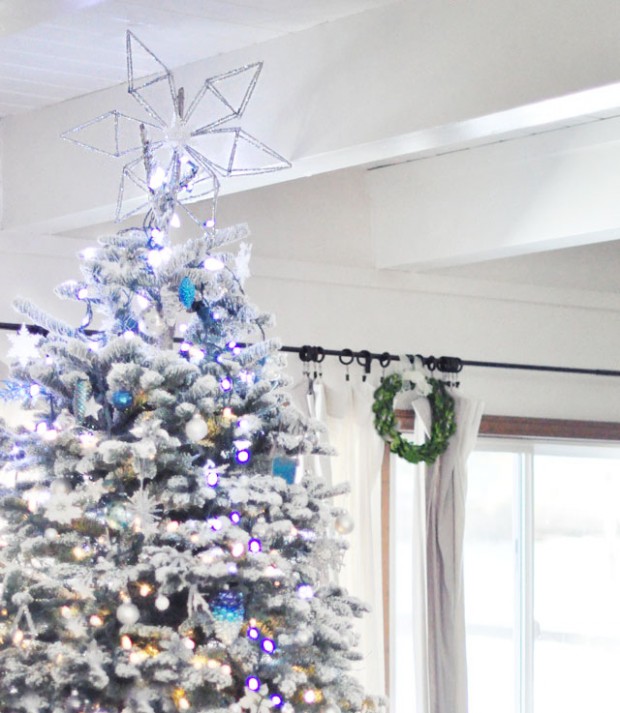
(52, 50)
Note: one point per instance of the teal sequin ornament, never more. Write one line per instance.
(187, 292)
(228, 609)
(81, 395)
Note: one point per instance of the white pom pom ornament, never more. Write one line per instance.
(196, 428)
(128, 613)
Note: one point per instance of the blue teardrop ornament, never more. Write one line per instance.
(187, 292)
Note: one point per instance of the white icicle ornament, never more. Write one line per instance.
(196, 428)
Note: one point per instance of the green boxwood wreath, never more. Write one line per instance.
(443, 426)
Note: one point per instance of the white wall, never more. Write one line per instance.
(313, 268)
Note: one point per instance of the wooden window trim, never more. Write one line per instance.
(497, 427)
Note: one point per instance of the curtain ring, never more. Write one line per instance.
(346, 359)
(346, 354)
(385, 359)
(305, 353)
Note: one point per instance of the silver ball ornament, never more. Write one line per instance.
(196, 428)
(128, 613)
(60, 486)
(344, 524)
(51, 534)
(162, 602)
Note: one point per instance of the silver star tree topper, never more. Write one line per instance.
(178, 155)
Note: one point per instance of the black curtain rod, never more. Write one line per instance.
(364, 358)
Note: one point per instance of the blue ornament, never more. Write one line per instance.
(122, 399)
(284, 468)
(228, 605)
(187, 292)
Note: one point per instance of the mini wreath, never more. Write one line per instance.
(442, 410)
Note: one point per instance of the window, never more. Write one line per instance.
(542, 578)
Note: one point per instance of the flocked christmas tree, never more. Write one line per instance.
(158, 554)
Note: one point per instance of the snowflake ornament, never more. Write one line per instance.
(179, 153)
(256, 701)
(24, 346)
(32, 703)
(62, 508)
(144, 507)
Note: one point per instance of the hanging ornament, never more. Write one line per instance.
(196, 428)
(117, 516)
(122, 399)
(285, 468)
(187, 292)
(162, 602)
(228, 611)
(74, 702)
(344, 524)
(128, 613)
(151, 323)
(81, 395)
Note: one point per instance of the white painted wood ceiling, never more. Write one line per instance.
(52, 50)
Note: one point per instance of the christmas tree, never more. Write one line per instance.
(160, 550)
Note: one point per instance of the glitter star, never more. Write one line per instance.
(92, 408)
(24, 346)
(189, 143)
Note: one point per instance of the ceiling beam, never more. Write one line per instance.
(552, 190)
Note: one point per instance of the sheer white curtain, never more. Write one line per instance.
(442, 677)
(345, 408)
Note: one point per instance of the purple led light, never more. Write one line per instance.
(235, 517)
(268, 646)
(253, 683)
(212, 478)
(253, 633)
(226, 384)
(305, 591)
(276, 699)
(243, 456)
(254, 545)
